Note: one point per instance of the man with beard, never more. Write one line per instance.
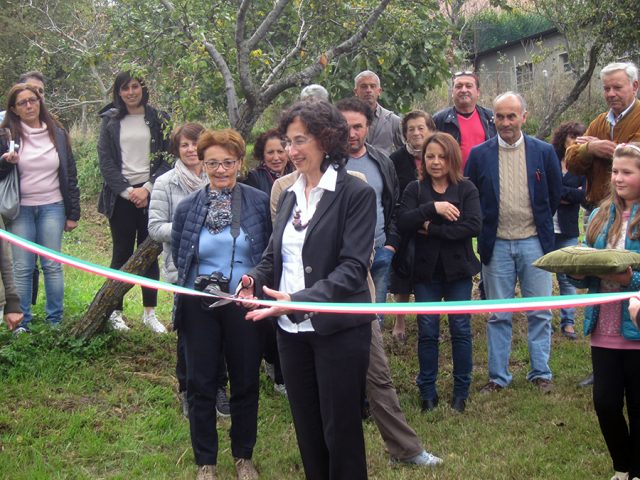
(381, 175)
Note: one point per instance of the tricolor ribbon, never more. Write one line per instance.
(469, 306)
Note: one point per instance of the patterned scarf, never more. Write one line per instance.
(219, 214)
(188, 179)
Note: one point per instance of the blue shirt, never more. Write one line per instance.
(370, 170)
(214, 255)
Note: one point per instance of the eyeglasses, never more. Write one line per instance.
(226, 164)
(296, 142)
(31, 101)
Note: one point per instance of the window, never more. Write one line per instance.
(564, 62)
(524, 75)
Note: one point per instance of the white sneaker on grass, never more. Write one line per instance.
(117, 322)
(424, 459)
(151, 321)
(620, 476)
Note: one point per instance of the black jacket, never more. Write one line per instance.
(110, 154)
(262, 179)
(67, 175)
(574, 188)
(446, 120)
(336, 253)
(405, 166)
(449, 241)
(390, 193)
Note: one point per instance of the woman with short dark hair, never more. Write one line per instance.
(565, 221)
(132, 153)
(273, 161)
(320, 251)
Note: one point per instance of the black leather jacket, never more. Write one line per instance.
(446, 121)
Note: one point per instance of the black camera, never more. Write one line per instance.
(213, 284)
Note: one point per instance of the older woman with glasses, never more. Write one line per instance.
(218, 234)
(49, 194)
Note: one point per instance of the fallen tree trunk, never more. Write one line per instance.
(112, 292)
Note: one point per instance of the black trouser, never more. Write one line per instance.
(205, 335)
(325, 377)
(129, 224)
(181, 367)
(271, 350)
(616, 377)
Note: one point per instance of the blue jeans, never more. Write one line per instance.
(380, 269)
(42, 224)
(566, 288)
(429, 334)
(512, 261)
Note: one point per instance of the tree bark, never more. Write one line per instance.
(112, 291)
(544, 130)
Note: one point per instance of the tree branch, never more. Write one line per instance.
(545, 127)
(220, 63)
(302, 36)
(305, 75)
(266, 24)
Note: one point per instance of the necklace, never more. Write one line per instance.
(297, 221)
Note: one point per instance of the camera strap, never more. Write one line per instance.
(236, 213)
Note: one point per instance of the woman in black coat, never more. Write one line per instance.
(132, 152)
(565, 221)
(442, 210)
(273, 161)
(320, 251)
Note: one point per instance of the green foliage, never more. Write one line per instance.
(86, 155)
(410, 51)
(47, 348)
(491, 28)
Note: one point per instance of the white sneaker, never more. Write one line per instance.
(620, 476)
(117, 322)
(280, 388)
(151, 321)
(424, 458)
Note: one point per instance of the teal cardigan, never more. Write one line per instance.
(591, 314)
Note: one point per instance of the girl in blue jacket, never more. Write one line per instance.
(615, 339)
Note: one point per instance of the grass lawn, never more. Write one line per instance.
(108, 408)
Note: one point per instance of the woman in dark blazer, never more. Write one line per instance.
(442, 210)
(320, 251)
(220, 230)
(565, 221)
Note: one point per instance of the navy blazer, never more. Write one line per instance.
(336, 253)
(544, 178)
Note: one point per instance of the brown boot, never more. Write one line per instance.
(245, 469)
(206, 472)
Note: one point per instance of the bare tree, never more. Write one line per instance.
(247, 94)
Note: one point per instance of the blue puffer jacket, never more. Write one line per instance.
(188, 221)
(591, 314)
